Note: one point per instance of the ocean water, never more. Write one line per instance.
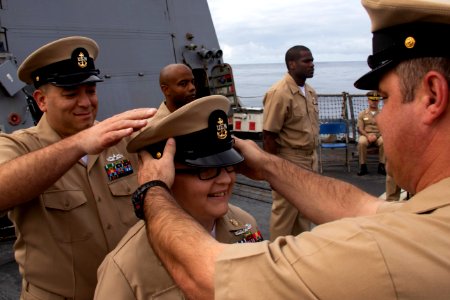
(253, 80)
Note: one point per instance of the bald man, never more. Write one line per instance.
(177, 84)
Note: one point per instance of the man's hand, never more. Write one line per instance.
(371, 138)
(158, 169)
(254, 159)
(112, 130)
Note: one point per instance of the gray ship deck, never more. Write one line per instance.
(253, 196)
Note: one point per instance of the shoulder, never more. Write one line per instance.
(18, 143)
(133, 253)
(311, 89)
(237, 226)
(240, 214)
(362, 113)
(21, 135)
(135, 238)
(281, 86)
(135, 260)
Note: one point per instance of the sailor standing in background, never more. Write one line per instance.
(291, 131)
(67, 182)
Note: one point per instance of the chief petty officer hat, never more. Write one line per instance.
(65, 62)
(373, 95)
(201, 132)
(402, 30)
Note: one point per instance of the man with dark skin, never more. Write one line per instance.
(177, 85)
(290, 130)
(300, 70)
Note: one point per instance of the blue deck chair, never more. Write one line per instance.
(340, 129)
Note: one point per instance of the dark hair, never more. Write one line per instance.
(294, 53)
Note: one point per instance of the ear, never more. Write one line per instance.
(164, 88)
(291, 64)
(41, 99)
(437, 92)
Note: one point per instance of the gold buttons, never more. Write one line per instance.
(410, 42)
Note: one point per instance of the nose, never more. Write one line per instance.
(84, 99)
(225, 177)
(192, 87)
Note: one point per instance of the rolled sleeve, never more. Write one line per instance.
(274, 111)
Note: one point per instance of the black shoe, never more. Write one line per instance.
(381, 169)
(363, 170)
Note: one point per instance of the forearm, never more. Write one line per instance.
(186, 249)
(361, 131)
(320, 198)
(26, 176)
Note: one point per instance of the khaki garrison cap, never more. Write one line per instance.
(65, 62)
(403, 30)
(200, 129)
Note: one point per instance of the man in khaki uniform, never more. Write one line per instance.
(177, 84)
(291, 130)
(66, 183)
(369, 134)
(365, 248)
(142, 275)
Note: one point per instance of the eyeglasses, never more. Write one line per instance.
(205, 173)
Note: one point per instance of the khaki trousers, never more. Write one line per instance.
(392, 189)
(363, 143)
(285, 219)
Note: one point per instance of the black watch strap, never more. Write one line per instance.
(139, 196)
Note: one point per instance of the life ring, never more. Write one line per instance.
(14, 119)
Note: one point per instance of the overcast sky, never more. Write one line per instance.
(260, 31)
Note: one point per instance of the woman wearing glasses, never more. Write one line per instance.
(204, 167)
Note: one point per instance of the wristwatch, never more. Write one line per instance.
(139, 196)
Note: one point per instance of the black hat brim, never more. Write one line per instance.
(222, 159)
(370, 80)
(76, 80)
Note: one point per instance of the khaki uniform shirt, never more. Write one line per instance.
(133, 271)
(64, 234)
(366, 120)
(162, 112)
(292, 115)
(403, 252)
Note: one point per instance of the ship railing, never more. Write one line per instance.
(332, 108)
(344, 106)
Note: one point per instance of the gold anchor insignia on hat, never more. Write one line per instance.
(410, 42)
(82, 60)
(221, 129)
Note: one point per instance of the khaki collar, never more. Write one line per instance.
(433, 197)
